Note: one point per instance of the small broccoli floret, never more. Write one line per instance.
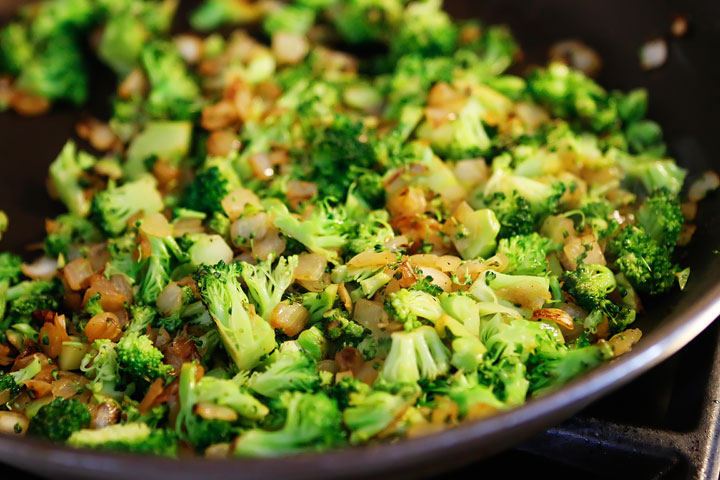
(100, 365)
(56, 70)
(16, 49)
(513, 212)
(425, 29)
(201, 432)
(66, 175)
(313, 343)
(645, 263)
(589, 284)
(290, 19)
(8, 388)
(141, 316)
(247, 338)
(138, 358)
(159, 139)
(342, 329)
(173, 92)
(291, 370)
(336, 153)
(408, 306)
(467, 393)
(551, 369)
(112, 208)
(10, 267)
(30, 295)
(359, 21)
(213, 14)
(70, 230)
(415, 355)
(320, 303)
(157, 267)
(206, 192)
(371, 411)
(463, 137)
(474, 232)
(313, 422)
(661, 218)
(369, 231)
(654, 174)
(267, 285)
(527, 254)
(59, 419)
(126, 437)
(322, 233)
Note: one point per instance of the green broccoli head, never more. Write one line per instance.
(112, 208)
(101, 367)
(312, 422)
(320, 303)
(552, 368)
(59, 419)
(424, 29)
(359, 21)
(10, 267)
(247, 338)
(513, 212)
(408, 306)
(527, 253)
(290, 19)
(266, 285)
(126, 437)
(661, 218)
(67, 176)
(207, 191)
(8, 388)
(646, 264)
(291, 370)
(371, 411)
(138, 358)
(415, 355)
(71, 230)
(589, 284)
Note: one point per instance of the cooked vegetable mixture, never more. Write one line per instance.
(351, 227)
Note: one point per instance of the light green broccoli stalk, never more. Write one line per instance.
(291, 370)
(267, 285)
(126, 437)
(415, 355)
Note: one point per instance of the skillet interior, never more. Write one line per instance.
(684, 99)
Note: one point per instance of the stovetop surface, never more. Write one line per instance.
(664, 425)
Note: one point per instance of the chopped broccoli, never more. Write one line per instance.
(320, 303)
(424, 29)
(313, 343)
(550, 369)
(513, 212)
(59, 419)
(267, 285)
(290, 19)
(112, 208)
(474, 232)
(527, 254)
(661, 218)
(291, 370)
(138, 358)
(359, 21)
(126, 437)
(589, 284)
(415, 355)
(206, 192)
(70, 230)
(10, 267)
(66, 175)
(247, 338)
(408, 306)
(313, 422)
(371, 411)
(463, 137)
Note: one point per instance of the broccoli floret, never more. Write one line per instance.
(290, 19)
(408, 306)
(645, 137)
(100, 365)
(59, 419)
(589, 284)
(112, 208)
(247, 338)
(320, 303)
(56, 70)
(157, 272)
(661, 218)
(291, 370)
(173, 92)
(415, 355)
(8, 388)
(138, 358)
(30, 295)
(313, 422)
(10, 383)
(646, 264)
(369, 232)
(217, 13)
(359, 21)
(463, 137)
(654, 174)
(513, 212)
(372, 411)
(337, 152)
(424, 29)
(127, 437)
(341, 329)
(313, 343)
(474, 232)
(527, 254)
(553, 368)
(16, 49)
(10, 267)
(206, 192)
(141, 316)
(70, 230)
(201, 432)
(267, 285)
(66, 175)
(467, 393)
(322, 233)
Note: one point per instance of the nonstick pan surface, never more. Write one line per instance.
(684, 99)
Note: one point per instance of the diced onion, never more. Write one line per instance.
(156, 225)
(43, 268)
(209, 250)
(104, 325)
(77, 273)
(445, 263)
(289, 48)
(169, 300)
(289, 317)
(438, 278)
(271, 244)
(622, 342)
(211, 411)
(554, 315)
(245, 228)
(708, 182)
(371, 258)
(235, 202)
(13, 423)
(311, 267)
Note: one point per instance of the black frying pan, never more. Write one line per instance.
(684, 98)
